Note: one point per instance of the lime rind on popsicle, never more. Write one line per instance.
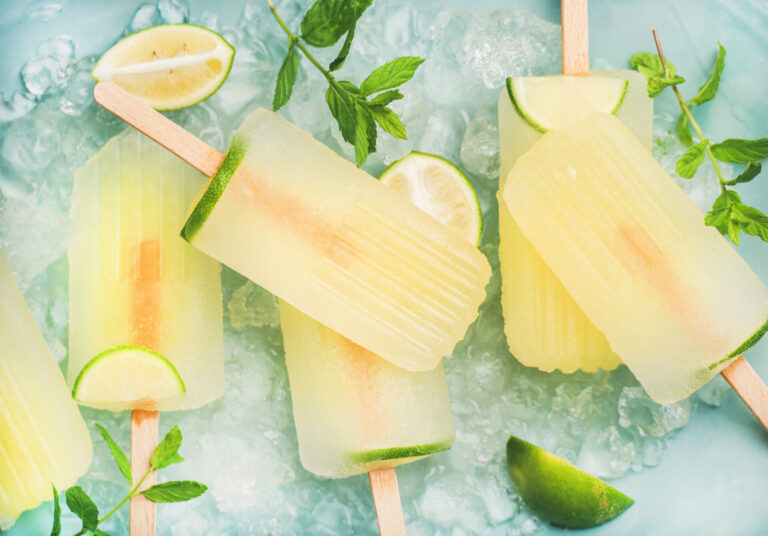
(169, 66)
(398, 453)
(532, 98)
(128, 377)
(749, 343)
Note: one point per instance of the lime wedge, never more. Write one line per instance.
(560, 492)
(534, 98)
(438, 188)
(127, 377)
(170, 66)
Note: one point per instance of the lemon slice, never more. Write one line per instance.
(547, 102)
(438, 188)
(559, 491)
(128, 377)
(170, 66)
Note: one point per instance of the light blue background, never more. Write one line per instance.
(714, 477)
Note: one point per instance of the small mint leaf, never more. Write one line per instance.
(83, 507)
(98, 532)
(708, 90)
(343, 110)
(750, 220)
(117, 453)
(683, 131)
(167, 452)
(741, 151)
(750, 172)
(689, 163)
(365, 133)
(383, 99)
(657, 84)
(389, 122)
(286, 77)
(344, 52)
(56, 529)
(174, 491)
(391, 74)
(327, 20)
(649, 65)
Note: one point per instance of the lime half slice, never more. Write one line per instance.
(438, 188)
(170, 66)
(560, 492)
(127, 377)
(547, 102)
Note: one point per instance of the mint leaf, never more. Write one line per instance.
(167, 452)
(56, 529)
(741, 151)
(343, 109)
(83, 507)
(750, 220)
(344, 52)
(750, 172)
(657, 84)
(649, 64)
(708, 90)
(683, 131)
(730, 216)
(120, 458)
(286, 77)
(327, 20)
(174, 491)
(690, 161)
(365, 133)
(391, 74)
(382, 99)
(388, 121)
(98, 532)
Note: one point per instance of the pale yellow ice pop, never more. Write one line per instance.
(671, 295)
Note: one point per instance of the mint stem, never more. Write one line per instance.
(131, 494)
(684, 108)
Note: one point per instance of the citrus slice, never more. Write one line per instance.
(170, 66)
(534, 96)
(438, 188)
(127, 377)
(560, 492)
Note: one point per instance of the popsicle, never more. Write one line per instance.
(354, 411)
(43, 438)
(145, 307)
(673, 298)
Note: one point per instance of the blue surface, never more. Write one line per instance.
(712, 479)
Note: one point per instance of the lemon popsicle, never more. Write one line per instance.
(294, 217)
(354, 411)
(673, 298)
(43, 438)
(544, 326)
(145, 307)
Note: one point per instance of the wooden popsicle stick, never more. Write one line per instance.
(748, 385)
(573, 17)
(156, 126)
(143, 443)
(386, 499)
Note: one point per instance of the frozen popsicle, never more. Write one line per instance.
(145, 306)
(354, 411)
(291, 215)
(43, 438)
(673, 298)
(545, 328)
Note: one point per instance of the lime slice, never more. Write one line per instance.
(127, 377)
(560, 492)
(170, 66)
(534, 98)
(438, 188)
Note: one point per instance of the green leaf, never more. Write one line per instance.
(344, 52)
(741, 151)
(98, 532)
(683, 131)
(690, 161)
(365, 133)
(327, 20)
(751, 220)
(730, 216)
(750, 172)
(117, 453)
(56, 529)
(657, 84)
(342, 108)
(286, 77)
(391, 74)
(388, 121)
(649, 65)
(83, 507)
(167, 452)
(382, 99)
(174, 491)
(708, 90)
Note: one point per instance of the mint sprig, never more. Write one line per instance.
(165, 454)
(729, 214)
(359, 111)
